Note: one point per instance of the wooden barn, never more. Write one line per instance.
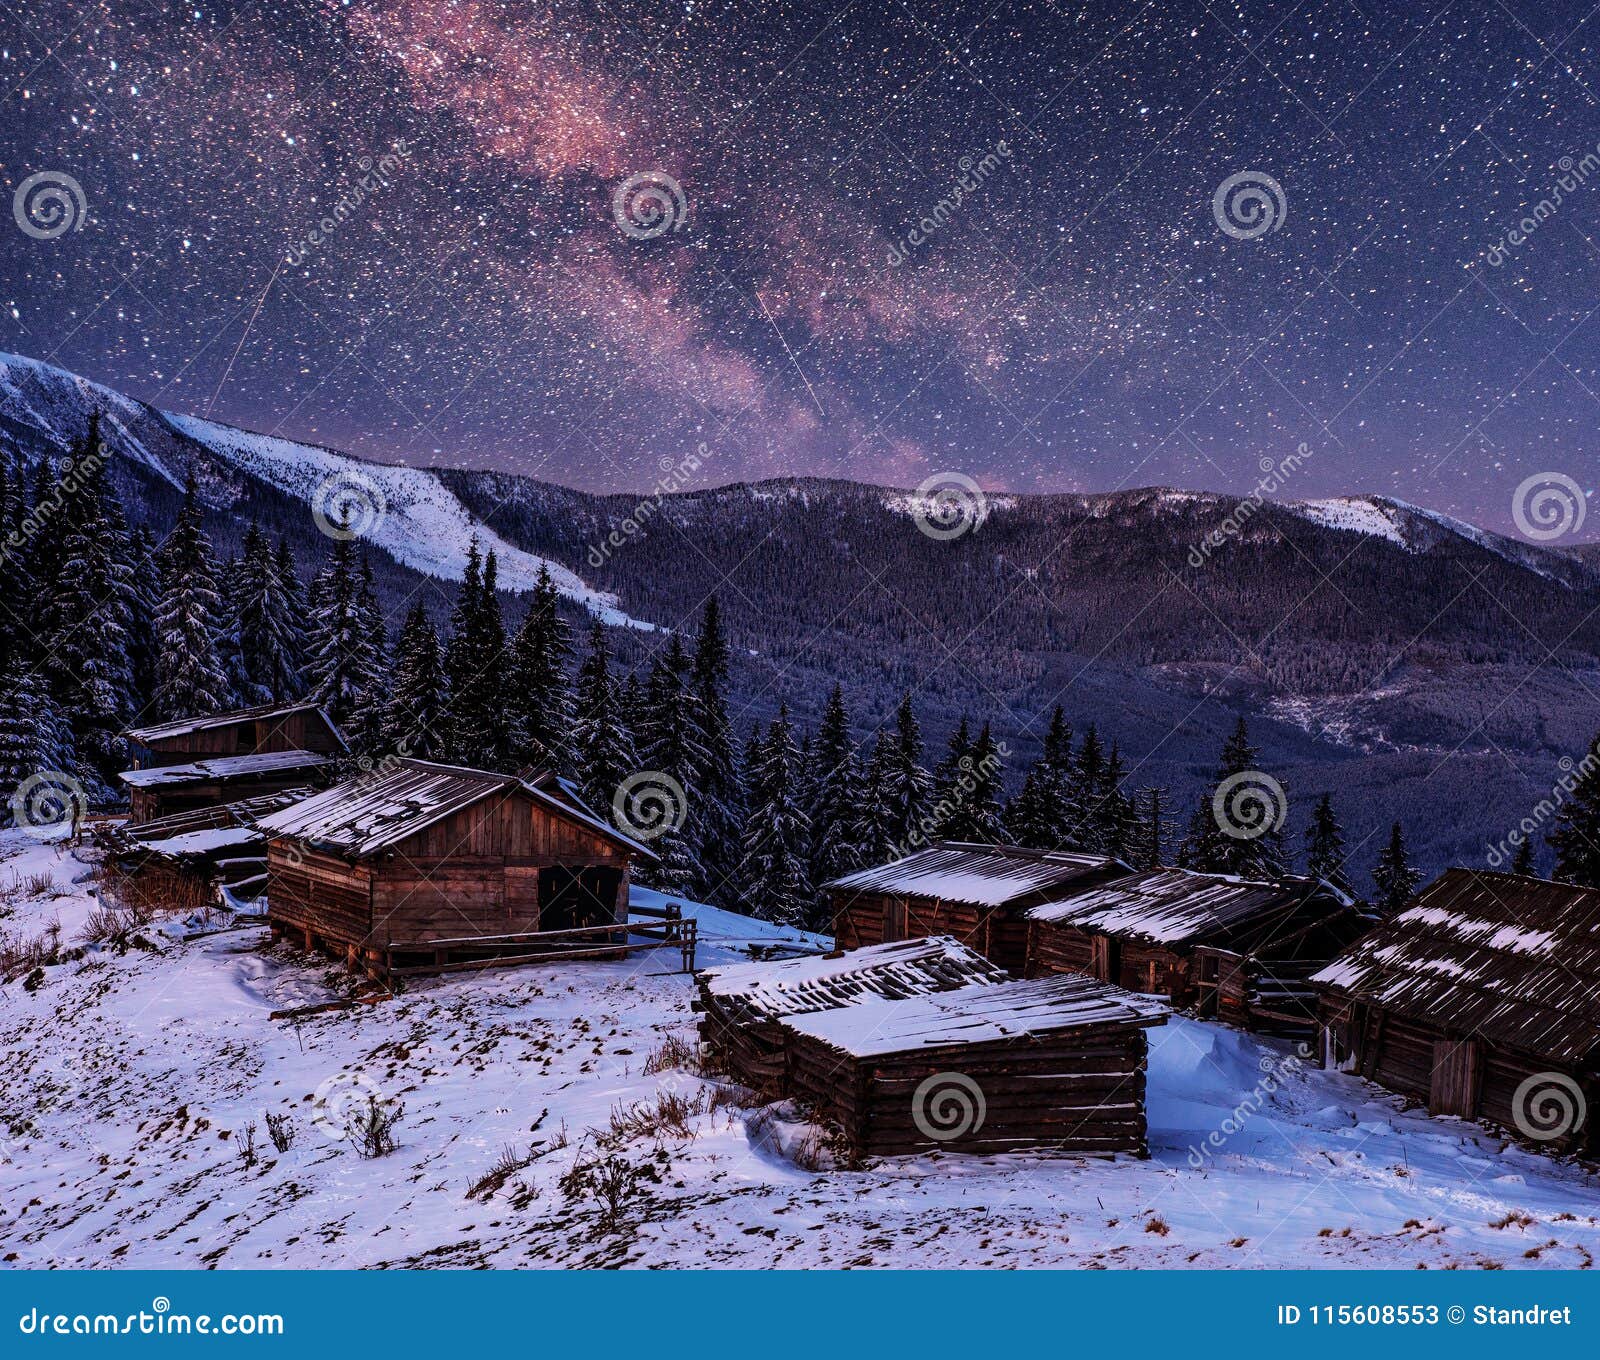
(177, 862)
(741, 1004)
(164, 790)
(1244, 950)
(980, 894)
(243, 732)
(1482, 999)
(421, 866)
(1054, 1064)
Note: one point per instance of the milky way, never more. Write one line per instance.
(887, 240)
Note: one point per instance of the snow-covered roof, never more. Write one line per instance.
(222, 767)
(204, 843)
(380, 808)
(1176, 906)
(979, 1014)
(902, 968)
(183, 727)
(1514, 960)
(980, 875)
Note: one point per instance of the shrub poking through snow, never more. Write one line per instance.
(246, 1143)
(281, 1129)
(613, 1183)
(371, 1127)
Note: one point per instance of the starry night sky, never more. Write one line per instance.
(1079, 322)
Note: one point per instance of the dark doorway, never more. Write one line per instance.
(572, 898)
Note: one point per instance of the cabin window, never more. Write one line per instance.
(570, 899)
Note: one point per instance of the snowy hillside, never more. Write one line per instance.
(407, 512)
(534, 1099)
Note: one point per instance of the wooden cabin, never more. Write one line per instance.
(1053, 1064)
(742, 1004)
(1481, 998)
(176, 863)
(419, 864)
(243, 732)
(164, 790)
(980, 894)
(1145, 932)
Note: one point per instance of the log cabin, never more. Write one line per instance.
(218, 758)
(1052, 1064)
(980, 894)
(418, 863)
(176, 863)
(242, 732)
(1174, 933)
(1481, 999)
(741, 1004)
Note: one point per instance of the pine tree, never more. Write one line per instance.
(142, 554)
(1209, 847)
(1522, 862)
(1325, 855)
(189, 621)
(836, 796)
(666, 738)
(265, 621)
(1149, 846)
(414, 717)
(541, 694)
(35, 736)
(1084, 830)
(1039, 815)
(606, 754)
(988, 781)
(372, 677)
(907, 788)
(480, 721)
(17, 610)
(1115, 818)
(1396, 880)
(720, 812)
(88, 616)
(341, 663)
(773, 871)
(1576, 836)
(952, 817)
(874, 832)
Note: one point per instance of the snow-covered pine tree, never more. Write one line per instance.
(836, 796)
(1038, 816)
(476, 664)
(604, 745)
(189, 620)
(720, 812)
(1393, 875)
(1325, 853)
(87, 614)
(1150, 840)
(540, 692)
(35, 736)
(908, 788)
(17, 612)
(987, 777)
(1576, 835)
(1522, 862)
(414, 716)
(773, 871)
(337, 665)
(951, 816)
(666, 739)
(1116, 818)
(1210, 848)
(873, 833)
(372, 679)
(265, 620)
(142, 553)
(1087, 784)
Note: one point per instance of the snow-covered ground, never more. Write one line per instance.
(128, 1080)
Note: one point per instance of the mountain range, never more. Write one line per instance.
(1410, 664)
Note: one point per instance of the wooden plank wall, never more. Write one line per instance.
(999, 934)
(1079, 1092)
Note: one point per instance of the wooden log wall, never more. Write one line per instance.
(319, 896)
(1076, 1092)
(1000, 934)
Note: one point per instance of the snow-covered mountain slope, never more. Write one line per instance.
(1417, 530)
(134, 1082)
(406, 512)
